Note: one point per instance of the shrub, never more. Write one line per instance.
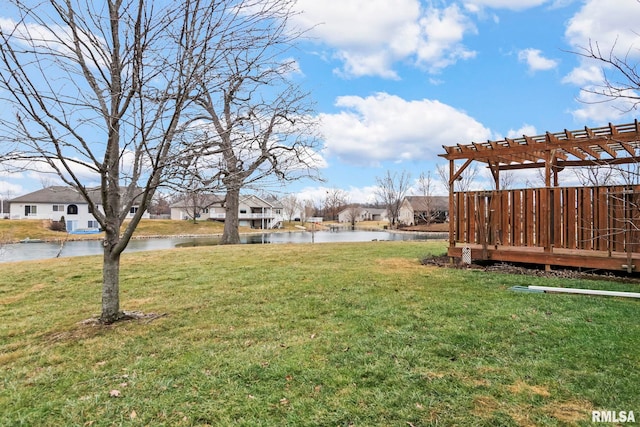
(58, 225)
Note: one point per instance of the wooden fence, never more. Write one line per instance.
(582, 218)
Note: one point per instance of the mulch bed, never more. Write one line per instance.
(534, 270)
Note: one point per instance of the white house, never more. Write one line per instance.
(55, 202)
(253, 211)
(362, 214)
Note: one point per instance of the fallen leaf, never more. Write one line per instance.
(133, 415)
(114, 393)
(419, 406)
(284, 401)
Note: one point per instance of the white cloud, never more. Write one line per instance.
(584, 75)
(613, 25)
(525, 129)
(536, 61)
(369, 36)
(383, 127)
(443, 32)
(503, 4)
(594, 109)
(9, 190)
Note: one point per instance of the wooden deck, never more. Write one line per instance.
(589, 259)
(590, 227)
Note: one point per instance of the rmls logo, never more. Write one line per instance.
(612, 417)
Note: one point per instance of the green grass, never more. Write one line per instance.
(310, 335)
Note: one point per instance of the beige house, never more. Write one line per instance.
(253, 212)
(423, 209)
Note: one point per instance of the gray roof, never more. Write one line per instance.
(424, 203)
(64, 195)
(204, 199)
(57, 194)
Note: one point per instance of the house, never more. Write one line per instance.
(253, 211)
(196, 206)
(55, 202)
(362, 214)
(423, 209)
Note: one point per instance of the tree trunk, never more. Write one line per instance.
(111, 277)
(110, 285)
(230, 235)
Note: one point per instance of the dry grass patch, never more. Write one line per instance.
(24, 294)
(571, 412)
(484, 406)
(520, 387)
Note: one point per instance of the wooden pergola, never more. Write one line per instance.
(591, 227)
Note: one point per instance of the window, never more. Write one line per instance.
(93, 224)
(244, 211)
(30, 210)
(58, 208)
(133, 209)
(72, 210)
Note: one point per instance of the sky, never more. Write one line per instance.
(395, 80)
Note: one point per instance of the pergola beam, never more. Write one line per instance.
(568, 148)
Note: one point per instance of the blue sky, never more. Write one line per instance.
(394, 80)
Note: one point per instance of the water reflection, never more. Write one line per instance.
(34, 251)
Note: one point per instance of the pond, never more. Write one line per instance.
(34, 251)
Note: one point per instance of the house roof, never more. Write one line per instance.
(425, 203)
(255, 201)
(204, 199)
(376, 211)
(209, 199)
(57, 194)
(64, 195)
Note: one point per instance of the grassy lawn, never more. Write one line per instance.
(310, 335)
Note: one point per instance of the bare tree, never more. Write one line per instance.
(595, 175)
(507, 180)
(98, 89)
(353, 213)
(425, 184)
(392, 188)
(464, 181)
(621, 77)
(334, 201)
(620, 84)
(290, 206)
(198, 202)
(251, 121)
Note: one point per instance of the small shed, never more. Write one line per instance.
(594, 227)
